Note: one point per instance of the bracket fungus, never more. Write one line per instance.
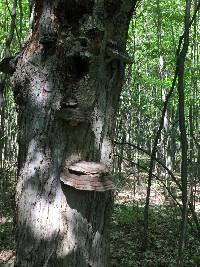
(88, 176)
(74, 116)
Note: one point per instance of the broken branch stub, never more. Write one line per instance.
(88, 176)
(8, 64)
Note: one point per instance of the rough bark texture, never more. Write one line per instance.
(67, 85)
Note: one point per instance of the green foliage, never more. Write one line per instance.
(153, 39)
(20, 28)
(196, 259)
(6, 233)
(126, 215)
(8, 120)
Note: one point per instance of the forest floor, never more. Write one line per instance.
(127, 229)
(164, 223)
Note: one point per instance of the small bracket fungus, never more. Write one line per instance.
(88, 176)
(73, 115)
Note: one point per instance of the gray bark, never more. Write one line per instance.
(67, 85)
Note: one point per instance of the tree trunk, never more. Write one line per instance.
(183, 135)
(67, 85)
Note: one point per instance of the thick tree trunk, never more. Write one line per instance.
(67, 85)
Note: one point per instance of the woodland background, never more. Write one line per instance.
(154, 36)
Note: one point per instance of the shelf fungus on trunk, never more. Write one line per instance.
(74, 116)
(88, 176)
